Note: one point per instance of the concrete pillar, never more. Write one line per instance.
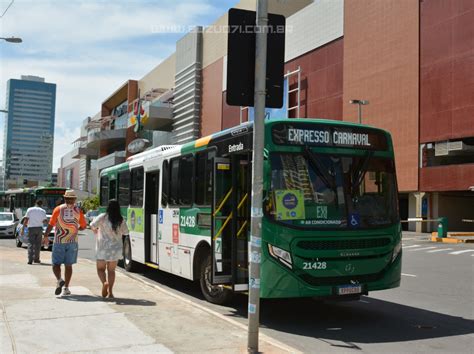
(418, 198)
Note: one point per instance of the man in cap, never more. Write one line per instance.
(68, 220)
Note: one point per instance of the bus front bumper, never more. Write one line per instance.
(280, 282)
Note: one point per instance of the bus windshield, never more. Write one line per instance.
(50, 202)
(323, 191)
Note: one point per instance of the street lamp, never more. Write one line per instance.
(360, 103)
(12, 39)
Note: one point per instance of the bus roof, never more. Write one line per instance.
(115, 168)
(246, 127)
(152, 152)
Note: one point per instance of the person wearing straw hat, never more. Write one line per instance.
(68, 219)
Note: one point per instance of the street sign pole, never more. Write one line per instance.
(255, 254)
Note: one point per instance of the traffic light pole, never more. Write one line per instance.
(255, 254)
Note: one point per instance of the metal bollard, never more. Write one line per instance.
(442, 227)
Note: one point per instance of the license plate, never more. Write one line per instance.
(349, 289)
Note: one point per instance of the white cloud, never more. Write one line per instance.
(89, 49)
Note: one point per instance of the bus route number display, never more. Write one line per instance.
(330, 136)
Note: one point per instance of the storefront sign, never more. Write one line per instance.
(138, 145)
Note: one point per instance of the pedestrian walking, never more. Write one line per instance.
(109, 228)
(34, 220)
(68, 219)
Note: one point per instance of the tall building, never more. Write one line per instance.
(29, 130)
(2, 177)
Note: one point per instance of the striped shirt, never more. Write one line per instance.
(67, 220)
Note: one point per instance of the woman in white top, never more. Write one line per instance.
(109, 228)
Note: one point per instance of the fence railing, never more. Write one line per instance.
(442, 224)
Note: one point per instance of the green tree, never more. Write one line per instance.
(91, 203)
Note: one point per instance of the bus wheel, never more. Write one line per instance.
(215, 294)
(128, 263)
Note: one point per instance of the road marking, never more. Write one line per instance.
(412, 246)
(409, 275)
(463, 251)
(423, 249)
(440, 250)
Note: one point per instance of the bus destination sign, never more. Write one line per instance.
(327, 135)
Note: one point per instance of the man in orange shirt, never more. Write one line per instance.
(68, 220)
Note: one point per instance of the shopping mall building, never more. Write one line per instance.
(412, 60)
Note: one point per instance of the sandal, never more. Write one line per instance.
(105, 290)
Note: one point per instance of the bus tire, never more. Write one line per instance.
(128, 263)
(215, 294)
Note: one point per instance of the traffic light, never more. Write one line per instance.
(241, 59)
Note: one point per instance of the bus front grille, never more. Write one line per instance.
(343, 244)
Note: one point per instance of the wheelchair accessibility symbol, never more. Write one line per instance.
(354, 220)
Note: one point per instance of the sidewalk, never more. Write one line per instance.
(140, 319)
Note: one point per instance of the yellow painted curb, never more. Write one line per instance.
(455, 234)
(449, 240)
(464, 234)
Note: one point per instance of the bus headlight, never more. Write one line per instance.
(281, 255)
(397, 250)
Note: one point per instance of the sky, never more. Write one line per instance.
(90, 48)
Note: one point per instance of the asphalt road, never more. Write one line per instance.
(432, 311)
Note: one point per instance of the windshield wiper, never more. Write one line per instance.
(359, 174)
(320, 170)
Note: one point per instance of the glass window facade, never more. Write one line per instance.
(29, 130)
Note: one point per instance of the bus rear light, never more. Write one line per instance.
(281, 255)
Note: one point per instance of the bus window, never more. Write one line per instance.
(186, 172)
(12, 203)
(124, 188)
(21, 200)
(113, 189)
(165, 184)
(203, 185)
(137, 187)
(104, 190)
(30, 200)
(174, 181)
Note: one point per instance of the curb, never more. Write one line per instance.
(450, 240)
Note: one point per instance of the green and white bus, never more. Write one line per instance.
(20, 199)
(330, 224)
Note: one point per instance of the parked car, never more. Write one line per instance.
(8, 223)
(21, 233)
(90, 215)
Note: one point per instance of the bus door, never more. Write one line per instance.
(231, 221)
(221, 230)
(151, 216)
(241, 181)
